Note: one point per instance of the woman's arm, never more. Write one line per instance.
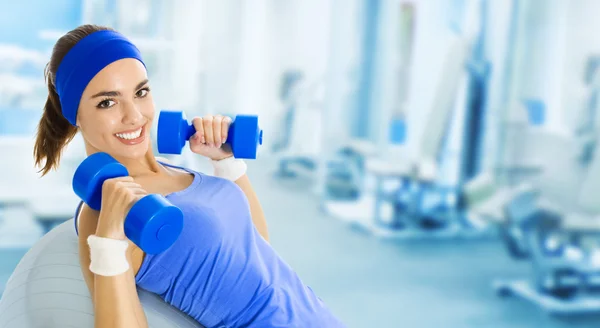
(115, 298)
(258, 216)
(211, 133)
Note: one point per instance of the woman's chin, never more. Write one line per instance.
(131, 151)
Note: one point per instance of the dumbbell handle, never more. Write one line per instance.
(189, 128)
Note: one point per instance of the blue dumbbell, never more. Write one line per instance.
(152, 223)
(174, 131)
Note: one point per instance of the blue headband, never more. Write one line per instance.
(88, 57)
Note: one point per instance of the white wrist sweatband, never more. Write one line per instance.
(108, 256)
(229, 168)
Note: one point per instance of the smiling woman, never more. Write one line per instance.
(221, 271)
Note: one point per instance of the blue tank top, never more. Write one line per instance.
(221, 272)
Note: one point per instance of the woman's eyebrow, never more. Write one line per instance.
(116, 93)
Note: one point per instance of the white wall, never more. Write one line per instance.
(298, 39)
(582, 40)
(183, 64)
(302, 30)
(432, 38)
(498, 51)
(539, 64)
(385, 85)
(342, 71)
(221, 54)
(340, 78)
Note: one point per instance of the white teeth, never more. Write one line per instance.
(131, 135)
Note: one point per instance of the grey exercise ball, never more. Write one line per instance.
(47, 289)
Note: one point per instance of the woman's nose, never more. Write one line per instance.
(131, 114)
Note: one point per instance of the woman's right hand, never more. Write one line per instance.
(118, 196)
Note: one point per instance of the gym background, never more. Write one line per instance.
(425, 163)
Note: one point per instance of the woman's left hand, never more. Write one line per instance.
(211, 134)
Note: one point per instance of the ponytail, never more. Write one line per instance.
(54, 132)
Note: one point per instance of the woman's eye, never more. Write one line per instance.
(106, 103)
(142, 93)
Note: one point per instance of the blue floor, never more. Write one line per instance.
(372, 283)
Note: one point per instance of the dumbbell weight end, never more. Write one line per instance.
(89, 176)
(154, 224)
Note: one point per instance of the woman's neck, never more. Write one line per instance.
(142, 167)
(139, 167)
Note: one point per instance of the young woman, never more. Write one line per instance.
(221, 271)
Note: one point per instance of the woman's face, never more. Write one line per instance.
(116, 110)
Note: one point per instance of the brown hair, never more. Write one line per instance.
(54, 131)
